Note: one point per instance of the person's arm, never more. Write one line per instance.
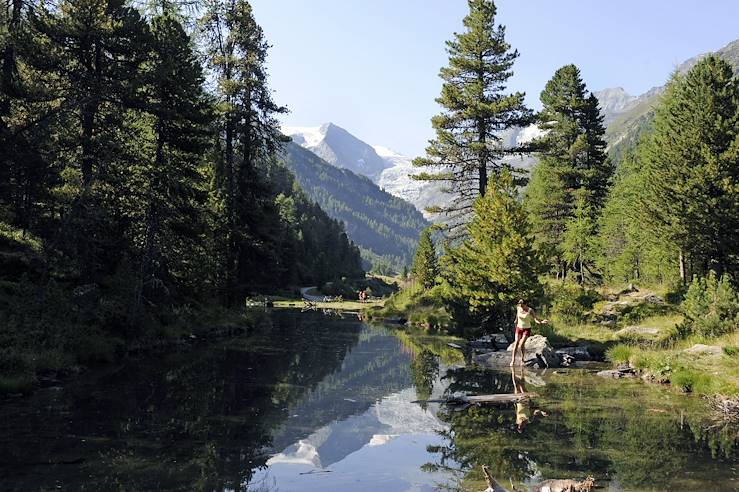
(539, 321)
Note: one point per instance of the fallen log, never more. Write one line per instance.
(478, 399)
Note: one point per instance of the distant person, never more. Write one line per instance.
(524, 316)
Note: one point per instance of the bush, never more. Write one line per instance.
(711, 307)
(571, 301)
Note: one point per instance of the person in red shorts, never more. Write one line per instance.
(524, 316)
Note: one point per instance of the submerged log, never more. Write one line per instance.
(477, 399)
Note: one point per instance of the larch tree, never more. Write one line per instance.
(468, 150)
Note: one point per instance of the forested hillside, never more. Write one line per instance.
(385, 228)
(131, 187)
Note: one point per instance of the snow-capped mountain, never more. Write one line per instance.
(337, 146)
(389, 169)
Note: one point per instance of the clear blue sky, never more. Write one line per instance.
(371, 66)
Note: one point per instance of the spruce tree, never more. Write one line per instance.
(425, 264)
(578, 237)
(572, 162)
(496, 265)
(691, 166)
(467, 150)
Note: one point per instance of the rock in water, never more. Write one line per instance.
(539, 352)
(617, 373)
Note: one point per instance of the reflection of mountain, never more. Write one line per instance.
(382, 422)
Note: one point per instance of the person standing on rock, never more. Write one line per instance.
(524, 316)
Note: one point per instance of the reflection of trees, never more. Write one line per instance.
(201, 419)
(600, 428)
(425, 368)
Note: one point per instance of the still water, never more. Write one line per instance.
(322, 403)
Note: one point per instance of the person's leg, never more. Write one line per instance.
(523, 347)
(515, 346)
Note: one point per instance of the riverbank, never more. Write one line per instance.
(645, 329)
(28, 364)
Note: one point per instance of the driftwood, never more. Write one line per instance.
(568, 485)
(493, 485)
(478, 399)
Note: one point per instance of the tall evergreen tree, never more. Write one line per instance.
(572, 162)
(426, 264)
(467, 150)
(691, 166)
(236, 53)
(496, 265)
(167, 185)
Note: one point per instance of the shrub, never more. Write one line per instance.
(571, 301)
(711, 307)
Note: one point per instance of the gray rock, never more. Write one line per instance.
(700, 349)
(638, 330)
(577, 353)
(497, 360)
(617, 373)
(500, 341)
(539, 352)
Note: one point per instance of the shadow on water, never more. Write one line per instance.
(203, 419)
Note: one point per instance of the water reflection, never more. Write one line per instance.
(316, 403)
(629, 436)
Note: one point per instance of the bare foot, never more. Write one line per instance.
(513, 362)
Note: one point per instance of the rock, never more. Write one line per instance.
(609, 323)
(638, 330)
(654, 299)
(577, 353)
(493, 359)
(566, 360)
(617, 373)
(539, 352)
(500, 341)
(700, 349)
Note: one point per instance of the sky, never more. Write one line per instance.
(371, 66)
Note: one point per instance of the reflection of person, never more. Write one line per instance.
(523, 407)
(524, 316)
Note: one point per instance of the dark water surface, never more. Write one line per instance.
(316, 403)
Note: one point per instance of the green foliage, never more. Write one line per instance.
(571, 301)
(385, 228)
(426, 265)
(620, 354)
(689, 167)
(569, 185)
(475, 108)
(711, 307)
(496, 266)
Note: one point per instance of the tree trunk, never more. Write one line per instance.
(681, 261)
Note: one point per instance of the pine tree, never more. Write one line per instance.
(691, 166)
(168, 187)
(572, 162)
(496, 265)
(425, 265)
(236, 53)
(467, 150)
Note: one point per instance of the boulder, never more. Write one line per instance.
(576, 353)
(496, 360)
(495, 341)
(539, 353)
(638, 330)
(700, 349)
